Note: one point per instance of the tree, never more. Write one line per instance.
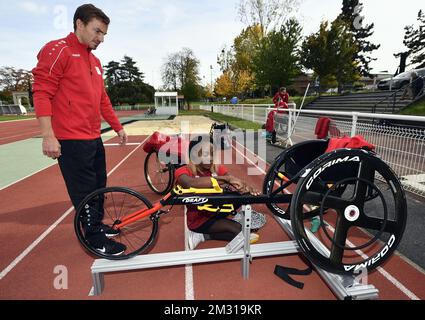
(125, 83)
(276, 63)
(129, 71)
(208, 92)
(181, 72)
(314, 53)
(267, 14)
(245, 47)
(237, 61)
(414, 40)
(346, 70)
(351, 15)
(223, 86)
(12, 79)
(329, 53)
(112, 73)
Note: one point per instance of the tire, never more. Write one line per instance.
(364, 223)
(158, 175)
(115, 203)
(290, 162)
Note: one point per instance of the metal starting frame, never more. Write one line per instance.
(344, 287)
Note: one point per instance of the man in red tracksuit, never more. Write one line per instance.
(70, 99)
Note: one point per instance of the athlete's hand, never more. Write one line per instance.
(123, 137)
(51, 147)
(242, 187)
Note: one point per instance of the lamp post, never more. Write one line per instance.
(211, 68)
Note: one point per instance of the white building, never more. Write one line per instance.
(166, 103)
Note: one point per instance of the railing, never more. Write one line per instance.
(402, 148)
(12, 109)
(393, 96)
(136, 107)
(252, 112)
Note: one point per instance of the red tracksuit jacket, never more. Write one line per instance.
(280, 98)
(69, 87)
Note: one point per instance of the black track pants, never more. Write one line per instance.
(83, 168)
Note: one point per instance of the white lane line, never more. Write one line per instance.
(34, 244)
(53, 226)
(120, 145)
(189, 287)
(9, 121)
(381, 270)
(55, 163)
(398, 284)
(30, 175)
(22, 134)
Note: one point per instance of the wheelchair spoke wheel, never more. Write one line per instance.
(362, 211)
(159, 175)
(101, 211)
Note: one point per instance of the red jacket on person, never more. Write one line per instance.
(69, 87)
(279, 98)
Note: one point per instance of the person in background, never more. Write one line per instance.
(281, 99)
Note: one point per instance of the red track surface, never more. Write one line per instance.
(31, 206)
(20, 130)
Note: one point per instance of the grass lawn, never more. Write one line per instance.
(417, 109)
(297, 99)
(10, 118)
(235, 122)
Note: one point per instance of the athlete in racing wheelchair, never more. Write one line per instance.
(358, 198)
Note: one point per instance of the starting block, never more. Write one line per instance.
(238, 249)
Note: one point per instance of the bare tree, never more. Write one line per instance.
(181, 72)
(268, 14)
(12, 79)
(180, 69)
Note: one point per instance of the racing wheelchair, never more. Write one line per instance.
(159, 173)
(358, 198)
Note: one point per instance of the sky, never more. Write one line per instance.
(150, 30)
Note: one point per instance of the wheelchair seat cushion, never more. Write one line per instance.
(357, 142)
(170, 146)
(155, 142)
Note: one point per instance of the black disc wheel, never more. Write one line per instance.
(99, 215)
(362, 210)
(159, 174)
(286, 167)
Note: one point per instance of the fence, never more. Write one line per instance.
(130, 108)
(403, 148)
(255, 113)
(12, 110)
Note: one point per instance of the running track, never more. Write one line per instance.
(39, 206)
(20, 130)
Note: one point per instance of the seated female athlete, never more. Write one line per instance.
(205, 225)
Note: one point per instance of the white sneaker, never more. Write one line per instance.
(254, 238)
(194, 239)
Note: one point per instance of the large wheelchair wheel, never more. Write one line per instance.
(361, 226)
(106, 207)
(287, 166)
(159, 175)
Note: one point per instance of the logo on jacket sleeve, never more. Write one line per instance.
(98, 71)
